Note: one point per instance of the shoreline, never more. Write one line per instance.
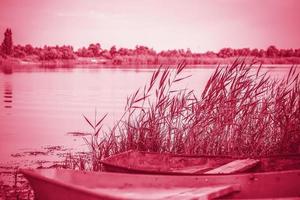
(13, 184)
(103, 62)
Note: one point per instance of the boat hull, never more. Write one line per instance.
(67, 184)
(140, 162)
(173, 164)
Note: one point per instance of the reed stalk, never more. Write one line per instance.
(240, 112)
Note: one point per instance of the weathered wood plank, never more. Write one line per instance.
(234, 167)
(211, 192)
(192, 169)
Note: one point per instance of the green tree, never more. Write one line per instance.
(7, 43)
(272, 52)
(96, 49)
(113, 51)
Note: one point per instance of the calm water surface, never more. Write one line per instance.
(39, 106)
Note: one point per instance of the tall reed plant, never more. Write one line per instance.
(242, 111)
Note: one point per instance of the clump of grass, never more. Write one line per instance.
(246, 114)
(98, 146)
(240, 112)
(77, 161)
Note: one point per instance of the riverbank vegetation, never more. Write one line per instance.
(140, 55)
(241, 112)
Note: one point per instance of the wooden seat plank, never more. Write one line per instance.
(211, 192)
(176, 193)
(192, 169)
(234, 166)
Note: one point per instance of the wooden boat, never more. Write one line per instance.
(62, 184)
(155, 163)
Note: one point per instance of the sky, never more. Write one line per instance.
(201, 25)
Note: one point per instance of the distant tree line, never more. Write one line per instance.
(138, 55)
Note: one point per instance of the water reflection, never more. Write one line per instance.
(7, 95)
(6, 69)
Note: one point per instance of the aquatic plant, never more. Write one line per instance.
(242, 111)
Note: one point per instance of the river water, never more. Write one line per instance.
(40, 106)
